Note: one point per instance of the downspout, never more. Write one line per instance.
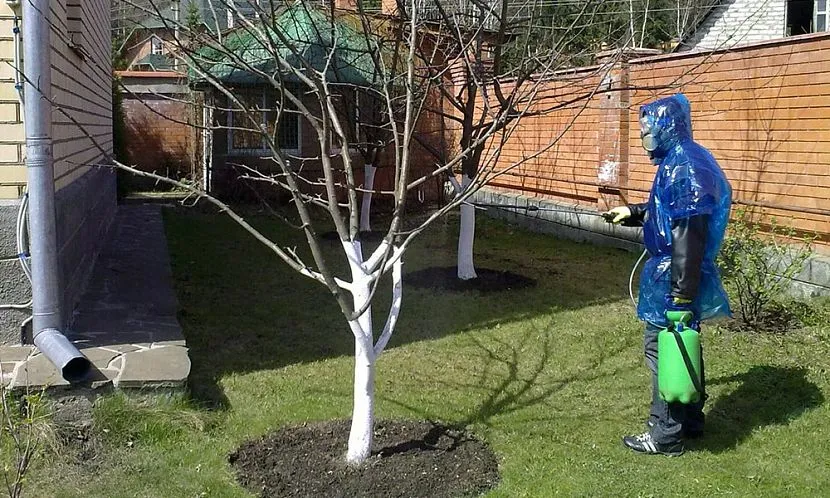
(46, 307)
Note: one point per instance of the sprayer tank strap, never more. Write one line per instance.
(688, 361)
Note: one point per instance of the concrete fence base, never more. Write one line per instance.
(582, 225)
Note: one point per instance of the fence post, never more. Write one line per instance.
(615, 127)
(613, 132)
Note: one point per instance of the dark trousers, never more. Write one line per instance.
(669, 421)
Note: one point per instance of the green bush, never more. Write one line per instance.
(758, 266)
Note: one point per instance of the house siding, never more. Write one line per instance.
(85, 196)
(12, 172)
(739, 22)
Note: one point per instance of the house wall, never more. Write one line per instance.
(761, 109)
(12, 173)
(85, 197)
(14, 288)
(140, 46)
(225, 171)
(739, 22)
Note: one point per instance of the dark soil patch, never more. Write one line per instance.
(773, 322)
(780, 318)
(446, 278)
(73, 423)
(409, 459)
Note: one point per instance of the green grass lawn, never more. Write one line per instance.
(551, 377)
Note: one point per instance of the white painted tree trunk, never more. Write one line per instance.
(466, 236)
(366, 206)
(363, 412)
(360, 436)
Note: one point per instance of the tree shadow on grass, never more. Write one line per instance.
(767, 395)
(512, 380)
(243, 310)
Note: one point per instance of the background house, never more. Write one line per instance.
(230, 149)
(85, 196)
(731, 23)
(146, 34)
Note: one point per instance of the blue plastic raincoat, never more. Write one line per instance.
(688, 183)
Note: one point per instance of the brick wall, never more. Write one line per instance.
(12, 172)
(761, 109)
(159, 137)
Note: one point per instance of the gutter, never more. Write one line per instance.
(46, 290)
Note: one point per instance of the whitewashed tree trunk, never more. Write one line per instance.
(466, 237)
(366, 205)
(360, 436)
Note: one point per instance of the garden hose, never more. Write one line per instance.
(631, 277)
(22, 251)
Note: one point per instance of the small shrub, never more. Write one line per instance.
(20, 437)
(758, 266)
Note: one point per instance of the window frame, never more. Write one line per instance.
(824, 14)
(263, 150)
(156, 45)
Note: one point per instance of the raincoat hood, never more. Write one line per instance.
(665, 123)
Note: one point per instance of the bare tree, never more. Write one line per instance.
(497, 55)
(307, 63)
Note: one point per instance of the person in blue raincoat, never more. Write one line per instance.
(683, 224)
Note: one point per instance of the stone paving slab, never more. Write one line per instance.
(125, 323)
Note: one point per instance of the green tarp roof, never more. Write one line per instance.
(315, 39)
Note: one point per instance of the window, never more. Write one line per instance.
(262, 109)
(807, 16)
(230, 19)
(156, 45)
(799, 17)
(249, 9)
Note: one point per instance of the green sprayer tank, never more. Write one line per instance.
(678, 360)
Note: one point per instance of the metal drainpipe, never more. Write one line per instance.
(46, 294)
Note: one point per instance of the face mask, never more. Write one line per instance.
(647, 134)
(649, 142)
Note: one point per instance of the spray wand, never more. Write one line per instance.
(609, 217)
(483, 207)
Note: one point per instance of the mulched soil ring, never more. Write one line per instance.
(409, 459)
(446, 278)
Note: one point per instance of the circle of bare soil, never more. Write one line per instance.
(446, 278)
(409, 459)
